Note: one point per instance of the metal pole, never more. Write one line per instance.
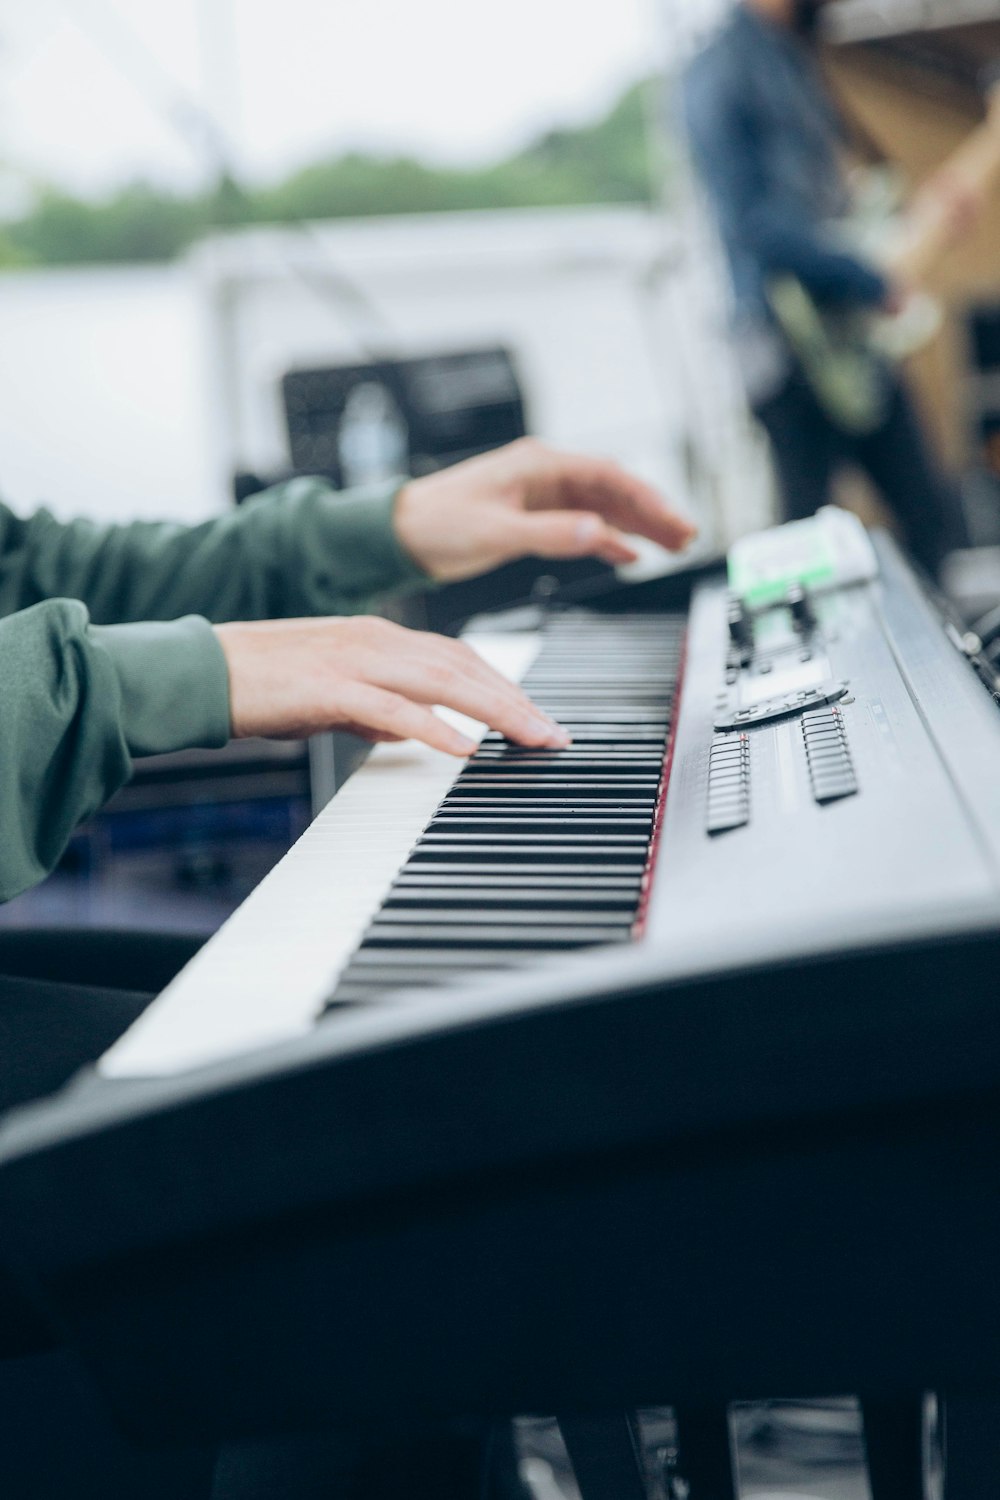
(221, 75)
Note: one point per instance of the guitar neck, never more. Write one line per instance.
(973, 171)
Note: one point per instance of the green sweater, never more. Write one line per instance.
(83, 692)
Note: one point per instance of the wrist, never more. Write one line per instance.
(239, 642)
(407, 530)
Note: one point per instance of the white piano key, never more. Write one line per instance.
(265, 974)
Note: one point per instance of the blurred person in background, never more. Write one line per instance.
(123, 641)
(768, 142)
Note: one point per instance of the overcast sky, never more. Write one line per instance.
(85, 84)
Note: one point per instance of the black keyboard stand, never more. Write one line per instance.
(606, 1455)
(705, 1452)
(895, 1446)
(972, 1447)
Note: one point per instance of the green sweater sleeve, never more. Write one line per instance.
(298, 549)
(77, 703)
(107, 652)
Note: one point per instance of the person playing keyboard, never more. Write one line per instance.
(123, 641)
(112, 645)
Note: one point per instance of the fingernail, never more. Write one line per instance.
(464, 746)
(587, 531)
(549, 730)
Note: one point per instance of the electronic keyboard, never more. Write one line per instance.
(665, 1067)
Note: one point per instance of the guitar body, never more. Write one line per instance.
(847, 357)
(833, 351)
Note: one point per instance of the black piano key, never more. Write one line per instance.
(495, 742)
(569, 764)
(564, 838)
(650, 713)
(398, 961)
(618, 715)
(594, 743)
(619, 749)
(368, 985)
(597, 737)
(508, 898)
(542, 806)
(555, 880)
(654, 677)
(481, 918)
(634, 719)
(548, 794)
(592, 803)
(569, 755)
(626, 723)
(517, 783)
(535, 812)
(620, 683)
(626, 769)
(456, 823)
(505, 784)
(605, 697)
(556, 849)
(479, 936)
(350, 995)
(419, 980)
(515, 867)
(486, 856)
(611, 734)
(539, 810)
(625, 772)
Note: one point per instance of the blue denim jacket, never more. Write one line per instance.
(765, 139)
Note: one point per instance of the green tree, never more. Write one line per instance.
(606, 162)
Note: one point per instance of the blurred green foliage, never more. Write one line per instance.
(607, 162)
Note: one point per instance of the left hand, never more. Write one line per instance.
(292, 678)
(949, 195)
(529, 500)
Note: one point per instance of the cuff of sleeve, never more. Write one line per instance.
(358, 533)
(873, 288)
(174, 684)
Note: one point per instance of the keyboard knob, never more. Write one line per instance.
(800, 605)
(740, 628)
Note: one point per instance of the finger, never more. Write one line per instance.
(380, 714)
(437, 669)
(568, 533)
(434, 662)
(577, 482)
(467, 659)
(451, 675)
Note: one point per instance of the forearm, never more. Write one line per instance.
(784, 246)
(78, 703)
(299, 549)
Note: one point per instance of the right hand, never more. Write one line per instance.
(530, 500)
(952, 197)
(292, 678)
